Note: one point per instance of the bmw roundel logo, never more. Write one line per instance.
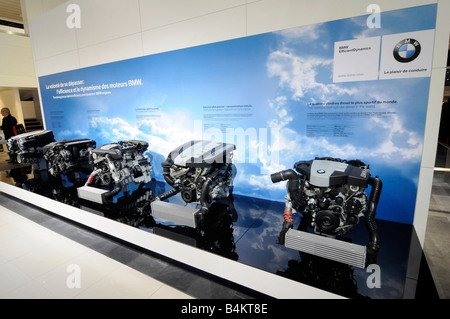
(407, 50)
(321, 171)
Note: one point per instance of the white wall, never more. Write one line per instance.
(28, 110)
(433, 118)
(113, 30)
(16, 61)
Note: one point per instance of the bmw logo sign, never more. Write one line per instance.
(407, 50)
(321, 171)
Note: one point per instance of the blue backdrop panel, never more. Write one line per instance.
(272, 94)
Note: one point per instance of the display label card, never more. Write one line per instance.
(356, 60)
(407, 55)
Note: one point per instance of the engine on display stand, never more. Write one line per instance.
(70, 158)
(330, 195)
(68, 167)
(28, 148)
(201, 172)
(117, 168)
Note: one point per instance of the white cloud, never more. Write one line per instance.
(163, 134)
(303, 33)
(299, 75)
(279, 106)
(400, 143)
(66, 134)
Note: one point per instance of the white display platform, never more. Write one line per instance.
(253, 278)
(2, 138)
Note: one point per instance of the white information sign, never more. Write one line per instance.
(406, 55)
(356, 60)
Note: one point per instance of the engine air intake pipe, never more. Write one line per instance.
(295, 191)
(204, 194)
(288, 174)
(295, 185)
(90, 180)
(375, 193)
(114, 192)
(166, 172)
(169, 194)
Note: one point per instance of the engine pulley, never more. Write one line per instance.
(326, 221)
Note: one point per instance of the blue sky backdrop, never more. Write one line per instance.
(280, 75)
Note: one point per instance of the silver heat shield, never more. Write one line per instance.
(326, 247)
(177, 214)
(92, 194)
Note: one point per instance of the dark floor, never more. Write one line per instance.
(436, 246)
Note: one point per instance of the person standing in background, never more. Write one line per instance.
(8, 123)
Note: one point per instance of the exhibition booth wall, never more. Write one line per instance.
(280, 90)
(326, 90)
(284, 81)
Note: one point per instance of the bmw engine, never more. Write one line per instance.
(201, 171)
(69, 156)
(27, 148)
(116, 165)
(330, 194)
